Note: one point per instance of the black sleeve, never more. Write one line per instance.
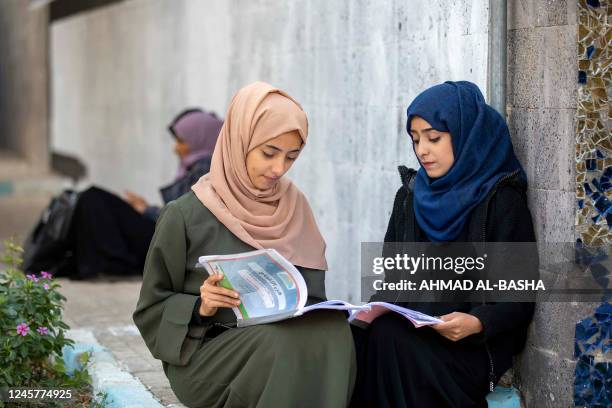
(392, 235)
(198, 319)
(510, 221)
(393, 226)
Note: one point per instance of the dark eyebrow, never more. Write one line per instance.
(279, 150)
(422, 131)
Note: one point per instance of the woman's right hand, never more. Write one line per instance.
(214, 297)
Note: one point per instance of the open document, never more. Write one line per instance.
(272, 289)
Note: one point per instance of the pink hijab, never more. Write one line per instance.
(279, 217)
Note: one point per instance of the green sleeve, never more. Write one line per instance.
(163, 312)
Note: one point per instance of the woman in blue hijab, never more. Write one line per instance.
(470, 188)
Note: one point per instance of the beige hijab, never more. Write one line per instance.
(279, 217)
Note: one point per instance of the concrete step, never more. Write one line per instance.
(43, 184)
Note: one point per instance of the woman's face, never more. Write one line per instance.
(268, 162)
(433, 148)
(181, 148)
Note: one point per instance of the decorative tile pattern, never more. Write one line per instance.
(593, 344)
(592, 348)
(593, 141)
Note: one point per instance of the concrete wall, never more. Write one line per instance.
(121, 72)
(23, 89)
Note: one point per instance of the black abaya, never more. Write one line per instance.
(401, 366)
(107, 236)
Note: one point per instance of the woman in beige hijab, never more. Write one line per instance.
(245, 202)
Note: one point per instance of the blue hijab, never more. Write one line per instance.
(483, 155)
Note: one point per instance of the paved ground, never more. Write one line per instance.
(106, 309)
(18, 215)
(101, 306)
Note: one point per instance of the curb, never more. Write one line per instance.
(123, 390)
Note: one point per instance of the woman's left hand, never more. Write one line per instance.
(137, 202)
(458, 325)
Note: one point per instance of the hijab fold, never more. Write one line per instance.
(279, 217)
(483, 154)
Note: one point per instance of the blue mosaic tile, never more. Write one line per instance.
(602, 204)
(582, 78)
(588, 256)
(586, 331)
(591, 164)
(593, 380)
(583, 393)
(603, 184)
(593, 3)
(581, 204)
(601, 373)
(600, 274)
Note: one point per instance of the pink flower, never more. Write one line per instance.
(23, 329)
(33, 278)
(46, 286)
(46, 275)
(43, 330)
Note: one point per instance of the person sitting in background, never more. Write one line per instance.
(111, 235)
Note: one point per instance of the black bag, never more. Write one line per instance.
(46, 247)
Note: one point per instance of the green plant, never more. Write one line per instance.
(32, 332)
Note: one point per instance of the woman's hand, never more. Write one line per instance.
(137, 202)
(458, 325)
(214, 297)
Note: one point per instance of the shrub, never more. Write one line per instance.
(32, 333)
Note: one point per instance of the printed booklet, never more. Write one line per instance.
(272, 289)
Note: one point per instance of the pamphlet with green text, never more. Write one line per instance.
(272, 289)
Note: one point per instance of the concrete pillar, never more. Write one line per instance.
(24, 112)
(541, 105)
